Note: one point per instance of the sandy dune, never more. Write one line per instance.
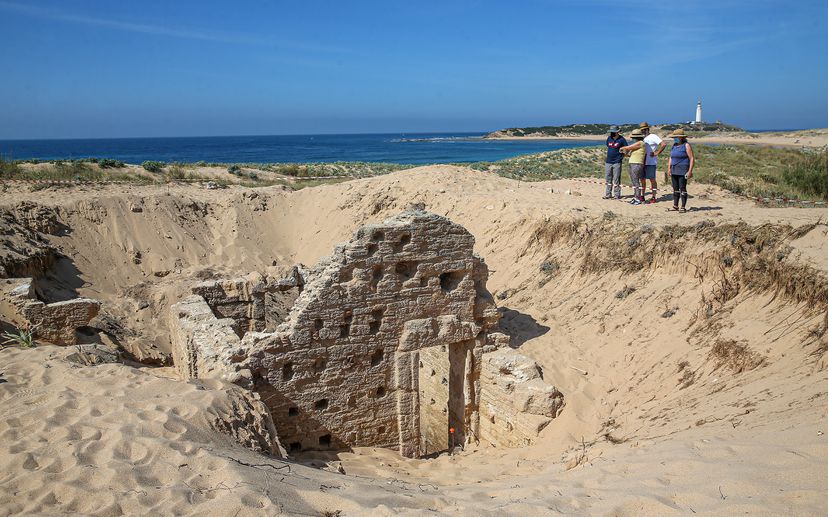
(705, 385)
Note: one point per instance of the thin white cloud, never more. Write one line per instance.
(161, 30)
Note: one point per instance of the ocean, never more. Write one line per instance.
(389, 147)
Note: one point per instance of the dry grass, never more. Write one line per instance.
(688, 376)
(733, 257)
(549, 268)
(736, 356)
(816, 335)
(626, 291)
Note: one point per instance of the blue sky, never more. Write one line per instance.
(75, 69)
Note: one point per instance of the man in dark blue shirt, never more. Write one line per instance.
(612, 167)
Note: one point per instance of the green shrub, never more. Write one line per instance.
(290, 169)
(809, 174)
(152, 166)
(108, 163)
(77, 170)
(234, 169)
(22, 338)
(768, 178)
(176, 172)
(8, 169)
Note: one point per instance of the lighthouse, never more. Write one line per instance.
(698, 113)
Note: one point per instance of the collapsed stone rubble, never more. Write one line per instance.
(392, 341)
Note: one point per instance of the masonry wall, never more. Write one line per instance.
(352, 364)
(330, 378)
(254, 303)
(334, 374)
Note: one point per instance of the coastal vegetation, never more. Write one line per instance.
(700, 129)
(809, 173)
(765, 172)
(152, 166)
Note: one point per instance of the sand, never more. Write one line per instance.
(801, 138)
(657, 426)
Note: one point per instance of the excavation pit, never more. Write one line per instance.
(347, 355)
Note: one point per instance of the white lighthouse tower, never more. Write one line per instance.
(698, 113)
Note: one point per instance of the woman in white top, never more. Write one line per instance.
(654, 146)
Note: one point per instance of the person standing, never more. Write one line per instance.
(638, 153)
(654, 146)
(680, 167)
(612, 165)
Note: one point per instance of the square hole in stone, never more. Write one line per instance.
(376, 357)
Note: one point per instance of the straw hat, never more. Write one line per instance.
(643, 126)
(637, 133)
(678, 133)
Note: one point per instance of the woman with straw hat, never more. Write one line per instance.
(680, 167)
(637, 152)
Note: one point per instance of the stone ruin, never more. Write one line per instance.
(392, 342)
(57, 323)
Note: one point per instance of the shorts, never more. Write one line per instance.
(650, 172)
(637, 170)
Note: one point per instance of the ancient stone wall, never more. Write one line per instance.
(55, 323)
(337, 373)
(254, 303)
(352, 364)
(200, 340)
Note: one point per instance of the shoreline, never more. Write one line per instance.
(804, 138)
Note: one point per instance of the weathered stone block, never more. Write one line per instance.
(517, 403)
(55, 323)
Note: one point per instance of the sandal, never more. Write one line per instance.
(673, 209)
(682, 210)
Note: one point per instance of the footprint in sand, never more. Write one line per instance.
(87, 453)
(184, 412)
(30, 463)
(132, 451)
(174, 428)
